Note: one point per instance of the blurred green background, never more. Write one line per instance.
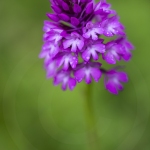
(35, 115)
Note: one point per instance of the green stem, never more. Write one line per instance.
(91, 124)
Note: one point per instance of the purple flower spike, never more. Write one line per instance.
(113, 79)
(74, 42)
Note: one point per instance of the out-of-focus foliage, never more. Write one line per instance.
(35, 115)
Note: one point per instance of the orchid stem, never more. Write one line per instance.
(91, 124)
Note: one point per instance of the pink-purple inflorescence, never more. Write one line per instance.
(74, 40)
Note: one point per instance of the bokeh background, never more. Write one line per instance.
(35, 115)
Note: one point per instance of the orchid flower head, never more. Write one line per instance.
(74, 44)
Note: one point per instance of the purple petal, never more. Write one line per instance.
(53, 49)
(74, 21)
(88, 79)
(112, 27)
(64, 17)
(95, 55)
(43, 54)
(72, 83)
(111, 88)
(74, 46)
(75, 41)
(64, 86)
(53, 17)
(48, 26)
(109, 57)
(96, 74)
(127, 56)
(86, 55)
(65, 59)
(65, 6)
(89, 8)
(67, 43)
(80, 44)
(122, 76)
(99, 48)
(51, 69)
(76, 8)
(119, 86)
(92, 31)
(73, 62)
(56, 9)
(80, 74)
(52, 36)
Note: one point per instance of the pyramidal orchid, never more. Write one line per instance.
(74, 44)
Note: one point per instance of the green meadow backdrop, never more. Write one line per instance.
(35, 115)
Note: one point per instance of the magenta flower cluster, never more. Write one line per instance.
(74, 42)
